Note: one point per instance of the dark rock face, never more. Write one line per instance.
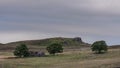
(78, 39)
(37, 54)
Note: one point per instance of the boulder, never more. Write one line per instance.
(78, 39)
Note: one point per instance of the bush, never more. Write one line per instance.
(54, 48)
(21, 51)
(99, 47)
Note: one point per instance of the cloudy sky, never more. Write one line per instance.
(37, 19)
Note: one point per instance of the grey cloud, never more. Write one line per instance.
(93, 19)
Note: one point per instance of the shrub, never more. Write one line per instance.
(99, 47)
(21, 51)
(54, 48)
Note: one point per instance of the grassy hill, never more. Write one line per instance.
(68, 43)
(44, 42)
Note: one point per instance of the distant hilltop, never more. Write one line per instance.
(69, 43)
(1, 44)
(44, 42)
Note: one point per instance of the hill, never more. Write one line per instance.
(44, 42)
(68, 43)
(1, 44)
(114, 46)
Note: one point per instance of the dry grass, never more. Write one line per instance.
(69, 59)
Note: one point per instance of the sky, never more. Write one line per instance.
(92, 20)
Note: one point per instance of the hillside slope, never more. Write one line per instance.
(114, 46)
(44, 42)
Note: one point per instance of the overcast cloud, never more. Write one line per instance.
(37, 19)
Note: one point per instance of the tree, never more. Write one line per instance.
(21, 51)
(99, 47)
(54, 48)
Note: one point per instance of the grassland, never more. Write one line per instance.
(76, 58)
(77, 54)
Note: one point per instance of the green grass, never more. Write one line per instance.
(69, 59)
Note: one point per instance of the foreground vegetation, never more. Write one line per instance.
(68, 59)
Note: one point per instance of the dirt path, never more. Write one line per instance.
(6, 57)
(2, 58)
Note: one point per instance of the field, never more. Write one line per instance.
(74, 58)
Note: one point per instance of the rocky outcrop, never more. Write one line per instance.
(78, 39)
(45, 42)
